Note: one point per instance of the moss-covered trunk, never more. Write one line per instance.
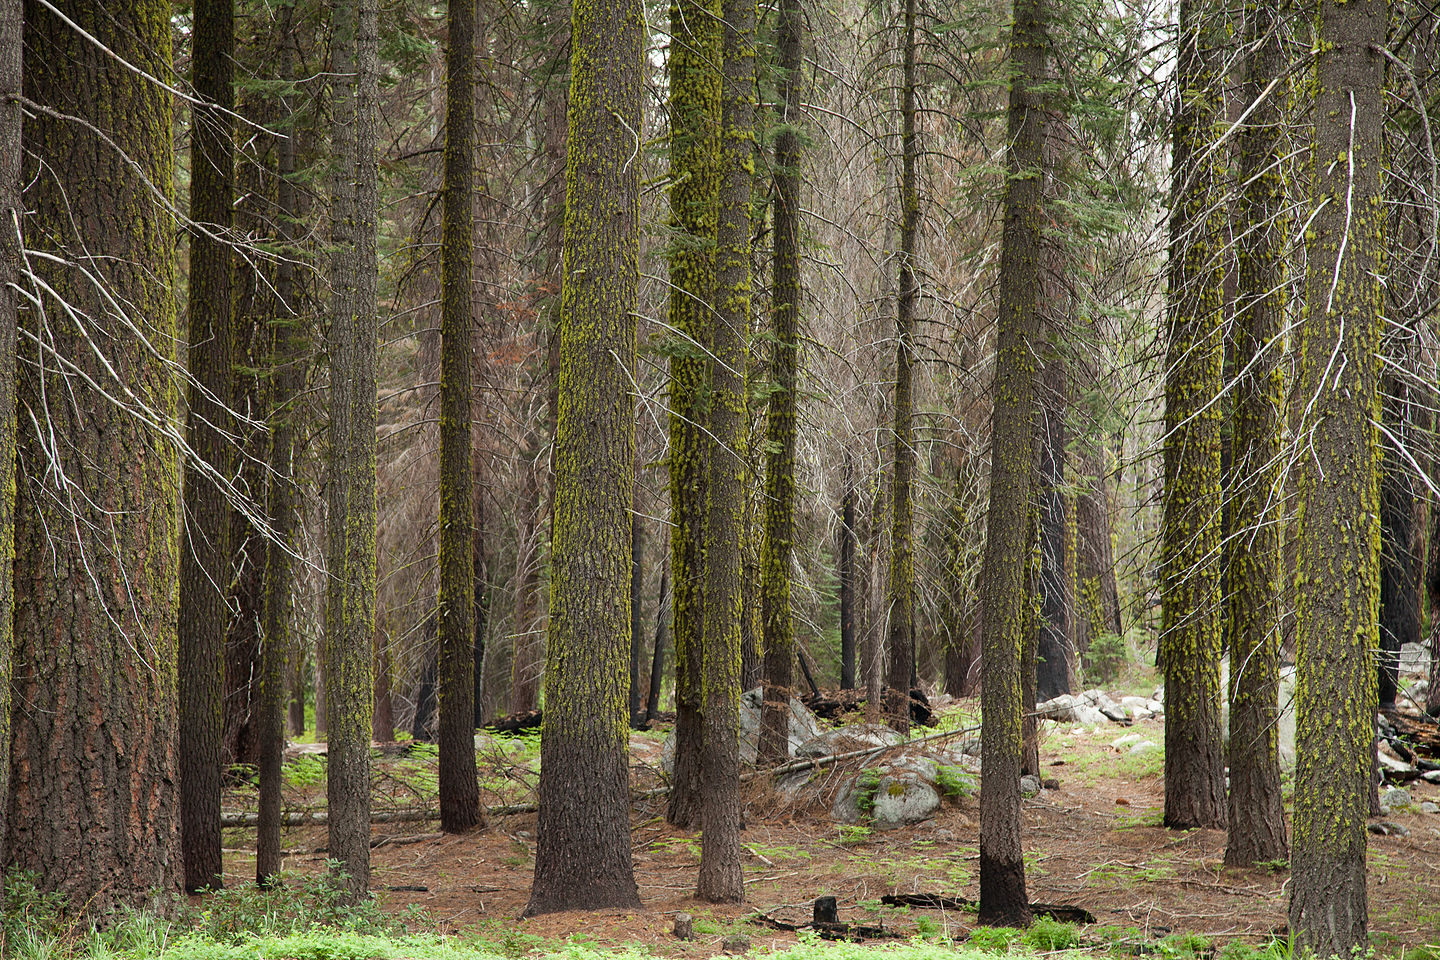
(93, 765)
(11, 56)
(1255, 813)
(1337, 574)
(777, 628)
(350, 484)
(1190, 640)
(582, 856)
(459, 789)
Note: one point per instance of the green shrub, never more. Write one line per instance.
(995, 939)
(1047, 934)
(1106, 657)
(955, 782)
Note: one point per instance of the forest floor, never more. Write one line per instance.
(1095, 842)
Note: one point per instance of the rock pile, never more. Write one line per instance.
(1095, 707)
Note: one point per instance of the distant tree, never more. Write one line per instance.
(1003, 898)
(1338, 505)
(1401, 522)
(351, 483)
(1190, 638)
(1255, 811)
(779, 516)
(901, 618)
(637, 609)
(459, 789)
(206, 560)
(93, 766)
(582, 856)
(847, 576)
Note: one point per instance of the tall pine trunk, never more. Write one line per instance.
(11, 209)
(1338, 487)
(459, 789)
(93, 765)
(350, 486)
(582, 856)
(1190, 536)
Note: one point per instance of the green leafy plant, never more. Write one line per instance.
(1106, 657)
(868, 786)
(995, 939)
(1047, 934)
(954, 782)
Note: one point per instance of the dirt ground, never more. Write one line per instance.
(1094, 842)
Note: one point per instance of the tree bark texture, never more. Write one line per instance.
(657, 655)
(460, 808)
(901, 606)
(1190, 638)
(1253, 559)
(1337, 572)
(1097, 596)
(1401, 544)
(637, 608)
(279, 652)
(777, 627)
(93, 772)
(205, 556)
(720, 813)
(11, 210)
(847, 577)
(1003, 899)
(350, 486)
(582, 857)
(1052, 655)
(694, 73)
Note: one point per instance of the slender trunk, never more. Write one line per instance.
(382, 718)
(637, 609)
(1003, 899)
(847, 578)
(482, 598)
(902, 561)
(528, 642)
(205, 561)
(1255, 809)
(1052, 660)
(657, 658)
(460, 808)
(1400, 558)
(775, 558)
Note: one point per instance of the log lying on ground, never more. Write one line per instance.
(1065, 913)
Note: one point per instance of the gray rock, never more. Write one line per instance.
(1385, 828)
(1060, 708)
(1089, 716)
(790, 784)
(1431, 776)
(1428, 807)
(1126, 740)
(803, 727)
(1143, 747)
(903, 799)
(846, 806)
(923, 767)
(1029, 785)
(1395, 798)
(861, 736)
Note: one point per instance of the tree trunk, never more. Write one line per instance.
(776, 550)
(847, 577)
(902, 561)
(93, 771)
(582, 857)
(1255, 809)
(11, 210)
(720, 814)
(288, 342)
(657, 658)
(637, 609)
(694, 77)
(1190, 639)
(460, 809)
(528, 643)
(1097, 600)
(1401, 549)
(1052, 661)
(205, 560)
(482, 598)
(1339, 503)
(382, 718)
(350, 486)
(1003, 899)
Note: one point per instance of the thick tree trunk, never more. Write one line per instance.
(1338, 490)
(1003, 899)
(582, 857)
(206, 558)
(1053, 655)
(460, 809)
(11, 211)
(1190, 639)
(350, 485)
(1255, 809)
(902, 561)
(93, 768)
(776, 551)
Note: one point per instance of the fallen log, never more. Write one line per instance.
(1065, 913)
